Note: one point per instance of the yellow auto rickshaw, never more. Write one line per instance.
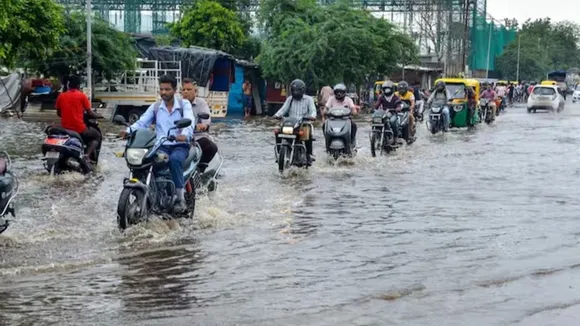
(549, 82)
(459, 108)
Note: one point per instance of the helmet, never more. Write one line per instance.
(388, 88)
(339, 91)
(403, 87)
(440, 85)
(297, 89)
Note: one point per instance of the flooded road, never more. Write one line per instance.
(473, 228)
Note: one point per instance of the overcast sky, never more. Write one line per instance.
(521, 10)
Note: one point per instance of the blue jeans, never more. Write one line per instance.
(394, 121)
(446, 117)
(177, 156)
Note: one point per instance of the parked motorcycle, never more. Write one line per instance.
(149, 187)
(291, 151)
(64, 150)
(8, 190)
(337, 133)
(382, 135)
(486, 111)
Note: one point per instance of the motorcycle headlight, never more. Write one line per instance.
(435, 109)
(134, 156)
(378, 119)
(288, 130)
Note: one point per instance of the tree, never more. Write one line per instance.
(112, 51)
(327, 45)
(544, 46)
(29, 28)
(209, 24)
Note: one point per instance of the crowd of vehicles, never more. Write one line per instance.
(8, 191)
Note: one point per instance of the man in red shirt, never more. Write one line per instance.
(71, 107)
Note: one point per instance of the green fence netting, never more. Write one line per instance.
(480, 42)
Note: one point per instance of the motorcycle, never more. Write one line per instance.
(436, 121)
(64, 150)
(149, 182)
(291, 151)
(337, 133)
(8, 190)
(382, 135)
(487, 112)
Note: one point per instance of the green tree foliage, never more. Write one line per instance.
(208, 24)
(112, 51)
(28, 28)
(544, 46)
(326, 45)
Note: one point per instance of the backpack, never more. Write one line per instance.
(158, 104)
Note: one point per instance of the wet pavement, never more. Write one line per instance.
(470, 228)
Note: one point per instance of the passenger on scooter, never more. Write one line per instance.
(339, 99)
(390, 101)
(299, 105)
(441, 96)
(199, 105)
(490, 95)
(169, 112)
(71, 106)
(406, 96)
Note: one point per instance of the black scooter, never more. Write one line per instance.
(64, 150)
(8, 190)
(337, 133)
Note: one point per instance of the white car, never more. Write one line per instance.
(576, 95)
(545, 97)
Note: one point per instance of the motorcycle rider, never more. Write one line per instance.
(71, 107)
(406, 96)
(169, 111)
(199, 105)
(389, 101)
(299, 105)
(339, 99)
(490, 95)
(441, 96)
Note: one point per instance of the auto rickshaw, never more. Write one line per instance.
(459, 107)
(549, 82)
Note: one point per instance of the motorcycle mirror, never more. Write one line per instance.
(203, 116)
(183, 123)
(120, 120)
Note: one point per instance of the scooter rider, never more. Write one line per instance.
(299, 105)
(199, 105)
(71, 107)
(490, 95)
(441, 96)
(339, 99)
(390, 101)
(406, 96)
(169, 111)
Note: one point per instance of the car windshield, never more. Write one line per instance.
(456, 90)
(578, 87)
(544, 91)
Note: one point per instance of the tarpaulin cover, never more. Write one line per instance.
(10, 87)
(196, 62)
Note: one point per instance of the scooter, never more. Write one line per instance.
(337, 133)
(64, 150)
(8, 190)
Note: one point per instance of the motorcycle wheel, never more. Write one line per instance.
(282, 158)
(374, 142)
(126, 210)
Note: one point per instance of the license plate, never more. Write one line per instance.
(52, 155)
(286, 136)
(435, 116)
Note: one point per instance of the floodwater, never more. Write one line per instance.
(470, 228)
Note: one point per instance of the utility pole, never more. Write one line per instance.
(89, 50)
(518, 65)
(465, 29)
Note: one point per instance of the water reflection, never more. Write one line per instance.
(162, 279)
